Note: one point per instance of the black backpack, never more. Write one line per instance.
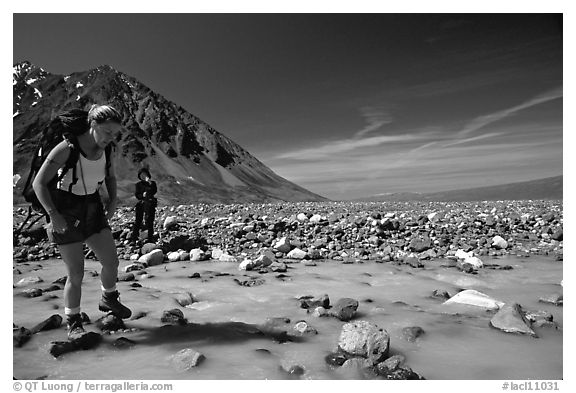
(66, 126)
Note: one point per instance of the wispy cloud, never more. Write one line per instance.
(375, 117)
(483, 121)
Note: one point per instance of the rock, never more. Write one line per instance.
(197, 254)
(170, 223)
(148, 248)
(59, 348)
(174, 316)
(420, 245)
(28, 281)
(293, 370)
(364, 339)
(510, 319)
(134, 267)
(297, 254)
(246, 264)
(21, 336)
(186, 359)
(539, 315)
(558, 235)
(110, 323)
(555, 299)
(302, 217)
(461, 254)
(344, 309)
(123, 343)
(264, 260)
(32, 292)
(400, 373)
(87, 340)
(474, 261)
(441, 293)
(282, 245)
(126, 277)
(302, 328)
(216, 253)
(356, 364)
(278, 267)
(52, 322)
(312, 302)
(411, 333)
(391, 364)
(316, 218)
(413, 261)
(250, 282)
(153, 258)
(546, 324)
(474, 298)
(184, 256)
(227, 258)
(337, 358)
(319, 312)
(173, 256)
(499, 243)
(185, 299)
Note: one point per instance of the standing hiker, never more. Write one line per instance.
(146, 205)
(75, 213)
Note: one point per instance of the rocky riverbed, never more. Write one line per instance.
(354, 287)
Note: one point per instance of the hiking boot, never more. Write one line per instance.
(110, 302)
(75, 328)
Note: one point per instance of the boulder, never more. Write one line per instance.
(474, 261)
(420, 244)
(302, 328)
(21, 336)
(184, 299)
(59, 348)
(155, 257)
(110, 323)
(197, 254)
(297, 254)
(227, 258)
(510, 319)
(278, 267)
(246, 264)
(186, 359)
(472, 297)
(52, 322)
(173, 316)
(499, 243)
(170, 223)
(313, 302)
(134, 267)
(173, 256)
(282, 245)
(148, 247)
(344, 309)
(364, 339)
(216, 253)
(411, 333)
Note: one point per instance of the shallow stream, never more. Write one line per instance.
(458, 342)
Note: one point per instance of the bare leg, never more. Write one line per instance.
(73, 256)
(103, 245)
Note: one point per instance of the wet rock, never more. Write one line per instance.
(364, 339)
(134, 267)
(344, 309)
(474, 261)
(441, 294)
(278, 267)
(185, 299)
(293, 370)
(263, 351)
(21, 336)
(126, 277)
(400, 373)
(87, 340)
(110, 323)
(541, 323)
(59, 348)
(313, 302)
(123, 343)
(28, 281)
(411, 333)
(510, 319)
(319, 312)
(302, 328)
(138, 314)
(337, 359)
(153, 258)
(173, 316)
(356, 364)
(186, 359)
(539, 315)
(555, 299)
(474, 298)
(52, 322)
(391, 364)
(250, 282)
(31, 292)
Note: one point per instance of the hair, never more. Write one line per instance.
(72, 122)
(103, 113)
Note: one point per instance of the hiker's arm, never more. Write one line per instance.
(110, 181)
(139, 191)
(55, 160)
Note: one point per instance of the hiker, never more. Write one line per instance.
(75, 213)
(146, 205)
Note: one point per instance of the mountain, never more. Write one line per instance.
(547, 188)
(189, 160)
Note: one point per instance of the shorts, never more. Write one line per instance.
(84, 215)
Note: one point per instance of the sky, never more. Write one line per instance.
(346, 105)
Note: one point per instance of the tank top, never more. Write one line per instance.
(90, 175)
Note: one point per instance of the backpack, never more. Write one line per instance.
(66, 126)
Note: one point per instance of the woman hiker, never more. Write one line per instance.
(75, 211)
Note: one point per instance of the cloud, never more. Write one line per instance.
(485, 120)
(472, 139)
(375, 118)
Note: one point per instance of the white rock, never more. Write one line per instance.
(282, 245)
(474, 298)
(134, 257)
(297, 254)
(170, 222)
(316, 218)
(246, 264)
(216, 253)
(461, 254)
(173, 256)
(197, 254)
(227, 258)
(499, 243)
(302, 217)
(474, 261)
(263, 260)
(154, 257)
(29, 280)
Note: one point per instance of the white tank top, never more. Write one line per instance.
(90, 175)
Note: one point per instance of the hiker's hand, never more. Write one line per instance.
(111, 208)
(58, 222)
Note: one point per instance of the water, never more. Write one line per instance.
(457, 344)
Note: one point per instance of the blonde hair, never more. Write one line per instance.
(103, 113)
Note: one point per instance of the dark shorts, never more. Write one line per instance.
(84, 215)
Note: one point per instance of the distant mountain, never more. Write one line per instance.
(189, 160)
(547, 188)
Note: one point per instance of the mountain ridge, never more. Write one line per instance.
(545, 188)
(190, 160)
